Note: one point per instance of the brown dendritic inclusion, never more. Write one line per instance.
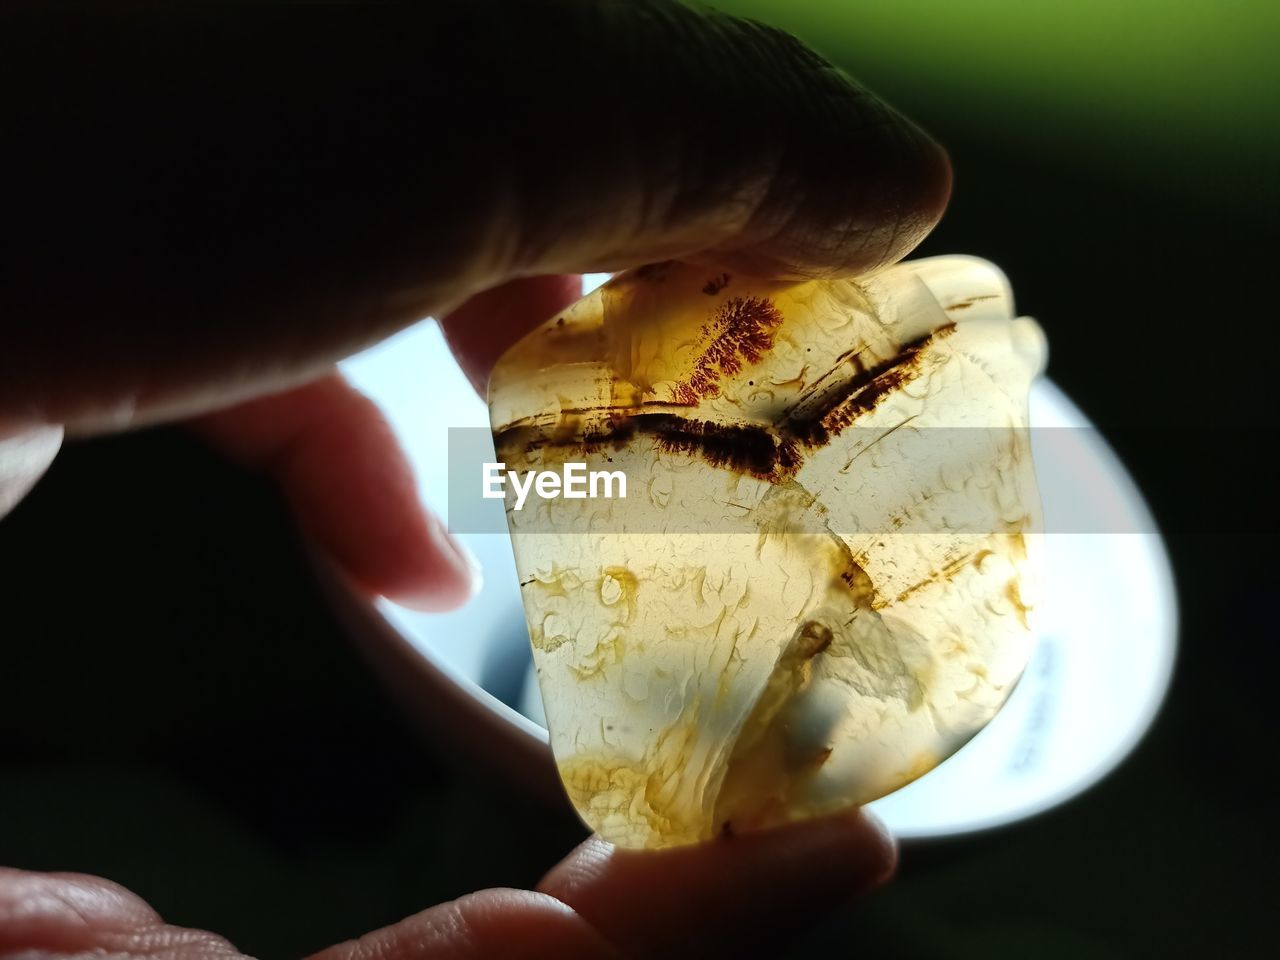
(819, 583)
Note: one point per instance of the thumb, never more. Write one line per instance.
(218, 200)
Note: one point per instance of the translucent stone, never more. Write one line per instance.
(820, 583)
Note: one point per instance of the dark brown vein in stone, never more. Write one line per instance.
(769, 453)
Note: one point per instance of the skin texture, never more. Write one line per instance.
(598, 902)
(217, 202)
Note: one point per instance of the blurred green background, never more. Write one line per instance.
(1118, 161)
(1178, 95)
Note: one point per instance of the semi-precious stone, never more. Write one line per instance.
(821, 582)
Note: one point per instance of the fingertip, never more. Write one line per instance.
(874, 836)
(855, 845)
(351, 489)
(854, 216)
(941, 180)
(749, 888)
(443, 576)
(925, 191)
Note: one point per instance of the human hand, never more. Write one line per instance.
(208, 206)
(725, 899)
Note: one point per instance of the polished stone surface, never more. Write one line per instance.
(821, 581)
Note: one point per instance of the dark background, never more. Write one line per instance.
(180, 712)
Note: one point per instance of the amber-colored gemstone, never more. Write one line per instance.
(819, 583)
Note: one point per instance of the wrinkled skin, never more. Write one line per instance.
(206, 207)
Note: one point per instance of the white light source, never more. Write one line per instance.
(1092, 688)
